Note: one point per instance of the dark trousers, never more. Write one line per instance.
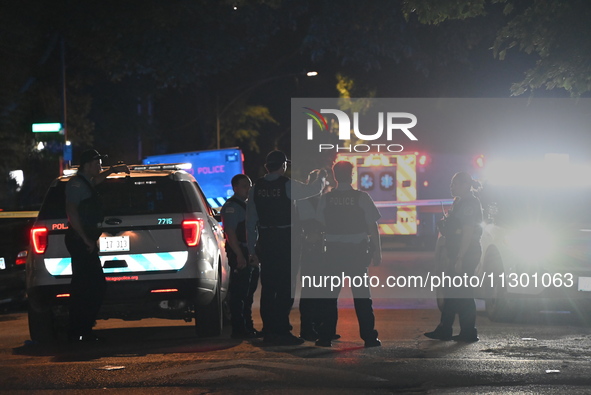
(274, 246)
(459, 300)
(466, 311)
(87, 287)
(350, 260)
(310, 303)
(243, 285)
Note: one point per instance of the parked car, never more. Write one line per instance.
(536, 244)
(162, 252)
(14, 240)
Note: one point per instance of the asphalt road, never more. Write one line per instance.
(541, 353)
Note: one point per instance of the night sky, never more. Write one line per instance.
(148, 77)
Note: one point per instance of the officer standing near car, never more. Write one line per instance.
(352, 241)
(85, 214)
(269, 218)
(462, 230)
(311, 245)
(243, 277)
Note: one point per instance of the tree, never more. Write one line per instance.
(555, 32)
(119, 54)
(242, 126)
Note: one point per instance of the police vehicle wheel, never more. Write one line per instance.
(209, 318)
(499, 307)
(42, 325)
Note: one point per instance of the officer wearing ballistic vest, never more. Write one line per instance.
(268, 221)
(311, 246)
(85, 213)
(244, 278)
(352, 241)
(462, 231)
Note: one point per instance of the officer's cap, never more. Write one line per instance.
(90, 155)
(276, 158)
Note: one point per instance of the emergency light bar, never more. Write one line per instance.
(164, 166)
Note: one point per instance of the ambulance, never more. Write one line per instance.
(411, 189)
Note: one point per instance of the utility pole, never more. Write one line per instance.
(64, 158)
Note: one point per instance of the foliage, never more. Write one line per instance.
(359, 32)
(242, 127)
(437, 11)
(556, 32)
(119, 54)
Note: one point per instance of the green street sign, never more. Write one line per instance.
(47, 127)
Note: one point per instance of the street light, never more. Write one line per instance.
(247, 90)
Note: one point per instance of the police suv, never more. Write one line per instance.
(161, 248)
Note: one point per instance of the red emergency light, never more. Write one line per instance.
(423, 159)
(479, 161)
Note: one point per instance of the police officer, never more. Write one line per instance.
(462, 230)
(268, 220)
(311, 246)
(243, 277)
(85, 214)
(352, 242)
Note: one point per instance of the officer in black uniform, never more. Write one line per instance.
(243, 277)
(462, 230)
(311, 247)
(85, 214)
(268, 220)
(352, 242)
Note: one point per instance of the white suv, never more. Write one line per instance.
(536, 248)
(161, 249)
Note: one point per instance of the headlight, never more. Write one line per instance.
(532, 243)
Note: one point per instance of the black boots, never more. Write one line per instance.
(440, 333)
(467, 336)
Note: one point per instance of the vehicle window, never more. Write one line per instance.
(192, 196)
(54, 204)
(140, 196)
(204, 202)
(125, 196)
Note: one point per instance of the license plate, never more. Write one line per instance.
(585, 284)
(113, 244)
(2, 264)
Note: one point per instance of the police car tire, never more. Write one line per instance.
(42, 325)
(209, 318)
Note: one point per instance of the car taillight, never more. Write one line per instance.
(21, 258)
(192, 231)
(39, 239)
